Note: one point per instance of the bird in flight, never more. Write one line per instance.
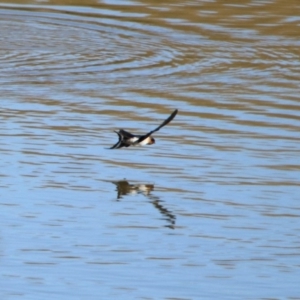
(127, 139)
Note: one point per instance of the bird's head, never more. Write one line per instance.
(148, 141)
(151, 141)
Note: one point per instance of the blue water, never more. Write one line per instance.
(210, 211)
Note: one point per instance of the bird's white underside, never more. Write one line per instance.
(142, 143)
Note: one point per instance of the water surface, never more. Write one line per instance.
(211, 211)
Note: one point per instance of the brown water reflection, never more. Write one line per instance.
(224, 177)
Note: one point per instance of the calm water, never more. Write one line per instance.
(211, 211)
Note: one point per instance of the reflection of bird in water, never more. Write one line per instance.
(124, 188)
(169, 216)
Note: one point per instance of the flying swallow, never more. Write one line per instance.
(127, 139)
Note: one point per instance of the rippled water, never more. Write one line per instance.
(211, 211)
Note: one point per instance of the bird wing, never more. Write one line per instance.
(123, 136)
(118, 144)
(165, 122)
